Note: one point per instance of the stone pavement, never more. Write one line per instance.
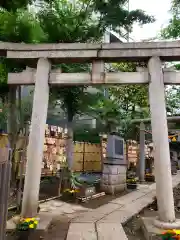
(106, 221)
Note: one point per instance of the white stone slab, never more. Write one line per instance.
(82, 231)
(107, 231)
(119, 216)
(128, 198)
(97, 214)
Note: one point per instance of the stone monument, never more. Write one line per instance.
(114, 166)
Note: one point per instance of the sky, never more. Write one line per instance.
(159, 9)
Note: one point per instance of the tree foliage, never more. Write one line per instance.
(114, 14)
(172, 30)
(173, 100)
(133, 99)
(13, 5)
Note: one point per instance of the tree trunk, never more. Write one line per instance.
(69, 146)
(69, 143)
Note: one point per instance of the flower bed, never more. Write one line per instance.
(149, 177)
(131, 183)
(70, 194)
(25, 227)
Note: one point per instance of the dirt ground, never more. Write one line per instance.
(100, 201)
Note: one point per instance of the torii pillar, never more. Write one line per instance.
(36, 140)
(164, 189)
(142, 152)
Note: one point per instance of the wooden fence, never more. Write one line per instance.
(87, 157)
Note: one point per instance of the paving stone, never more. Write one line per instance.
(45, 205)
(126, 212)
(108, 231)
(119, 216)
(82, 231)
(58, 229)
(107, 217)
(79, 208)
(130, 197)
(146, 188)
(108, 208)
(57, 203)
(67, 210)
(95, 215)
(89, 217)
(44, 210)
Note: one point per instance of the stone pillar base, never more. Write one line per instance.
(167, 225)
(113, 179)
(152, 232)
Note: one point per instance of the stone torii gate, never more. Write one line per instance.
(97, 54)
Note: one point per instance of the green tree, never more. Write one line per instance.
(18, 25)
(172, 30)
(173, 100)
(105, 111)
(133, 99)
(11, 5)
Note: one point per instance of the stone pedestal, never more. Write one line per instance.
(152, 232)
(113, 178)
(39, 233)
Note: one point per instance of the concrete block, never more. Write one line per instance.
(114, 169)
(112, 189)
(117, 179)
(113, 179)
(44, 223)
(82, 231)
(108, 231)
(149, 230)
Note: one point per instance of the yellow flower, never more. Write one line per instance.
(67, 190)
(27, 219)
(177, 231)
(36, 222)
(31, 226)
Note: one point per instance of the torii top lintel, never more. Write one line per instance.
(83, 52)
